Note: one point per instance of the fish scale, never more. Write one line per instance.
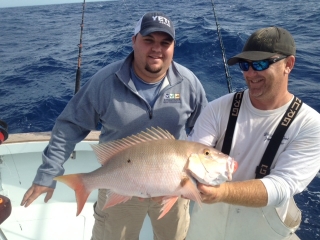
(151, 164)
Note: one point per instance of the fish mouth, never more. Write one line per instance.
(232, 166)
(214, 178)
(235, 166)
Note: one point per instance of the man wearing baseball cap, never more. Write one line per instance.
(146, 89)
(272, 135)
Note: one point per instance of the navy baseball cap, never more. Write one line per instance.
(154, 22)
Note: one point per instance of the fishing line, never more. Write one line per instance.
(6, 192)
(78, 75)
(228, 77)
(3, 163)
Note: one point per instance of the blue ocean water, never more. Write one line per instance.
(39, 51)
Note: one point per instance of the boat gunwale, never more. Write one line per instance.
(42, 136)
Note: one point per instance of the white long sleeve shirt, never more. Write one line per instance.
(297, 160)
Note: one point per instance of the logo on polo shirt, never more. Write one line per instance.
(172, 98)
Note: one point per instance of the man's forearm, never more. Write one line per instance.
(251, 193)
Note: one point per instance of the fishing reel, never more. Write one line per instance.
(5, 208)
(3, 131)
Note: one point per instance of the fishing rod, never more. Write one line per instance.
(223, 51)
(78, 75)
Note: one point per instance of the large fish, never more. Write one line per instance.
(151, 164)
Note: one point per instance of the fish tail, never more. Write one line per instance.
(75, 181)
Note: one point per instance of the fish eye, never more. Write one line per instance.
(206, 152)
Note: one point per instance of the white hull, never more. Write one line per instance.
(55, 220)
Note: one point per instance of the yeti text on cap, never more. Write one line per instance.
(162, 20)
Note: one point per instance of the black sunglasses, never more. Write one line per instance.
(259, 65)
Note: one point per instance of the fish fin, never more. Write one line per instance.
(167, 205)
(75, 181)
(189, 190)
(114, 199)
(105, 151)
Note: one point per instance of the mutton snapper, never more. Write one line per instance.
(151, 164)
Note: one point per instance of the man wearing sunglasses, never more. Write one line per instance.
(252, 206)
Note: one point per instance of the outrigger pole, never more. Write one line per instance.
(78, 76)
(223, 51)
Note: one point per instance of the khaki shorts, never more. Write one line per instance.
(125, 220)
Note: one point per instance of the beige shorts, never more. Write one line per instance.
(124, 221)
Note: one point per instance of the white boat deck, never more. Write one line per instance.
(20, 156)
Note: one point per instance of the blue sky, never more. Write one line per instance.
(18, 3)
